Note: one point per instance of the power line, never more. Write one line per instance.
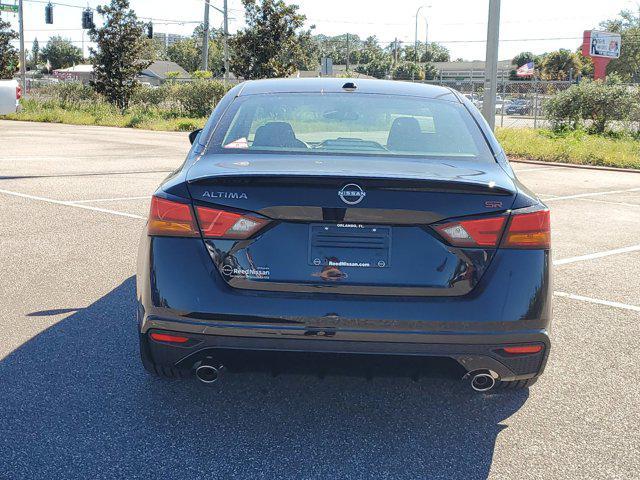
(161, 21)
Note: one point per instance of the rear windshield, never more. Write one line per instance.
(349, 123)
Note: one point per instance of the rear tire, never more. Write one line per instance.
(159, 370)
(516, 384)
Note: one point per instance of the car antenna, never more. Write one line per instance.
(349, 86)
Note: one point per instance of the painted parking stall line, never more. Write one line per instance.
(71, 204)
(592, 256)
(115, 199)
(607, 303)
(592, 194)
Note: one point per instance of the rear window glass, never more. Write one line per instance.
(349, 123)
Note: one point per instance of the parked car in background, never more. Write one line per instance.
(502, 105)
(519, 107)
(10, 94)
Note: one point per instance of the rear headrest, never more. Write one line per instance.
(275, 134)
(405, 134)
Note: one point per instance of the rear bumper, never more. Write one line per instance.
(471, 352)
(179, 290)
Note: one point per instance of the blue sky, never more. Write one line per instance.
(539, 25)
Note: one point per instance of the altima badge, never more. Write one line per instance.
(351, 194)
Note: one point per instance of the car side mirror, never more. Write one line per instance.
(193, 135)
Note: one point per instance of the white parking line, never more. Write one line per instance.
(607, 303)
(69, 204)
(536, 169)
(146, 197)
(624, 204)
(592, 194)
(591, 256)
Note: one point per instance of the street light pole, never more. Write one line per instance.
(205, 38)
(224, 41)
(23, 54)
(491, 64)
(415, 43)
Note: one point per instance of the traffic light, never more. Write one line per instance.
(149, 30)
(48, 14)
(87, 19)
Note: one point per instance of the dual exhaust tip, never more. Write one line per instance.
(208, 371)
(482, 380)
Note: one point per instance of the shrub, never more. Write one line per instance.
(71, 93)
(592, 104)
(202, 74)
(408, 71)
(378, 67)
(198, 97)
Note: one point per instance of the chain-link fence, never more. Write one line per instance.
(518, 103)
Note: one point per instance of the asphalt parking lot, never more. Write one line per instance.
(75, 402)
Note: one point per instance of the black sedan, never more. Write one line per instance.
(375, 219)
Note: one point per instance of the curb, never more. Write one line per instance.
(573, 165)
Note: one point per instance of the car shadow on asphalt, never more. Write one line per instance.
(75, 403)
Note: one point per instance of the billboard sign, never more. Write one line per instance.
(604, 44)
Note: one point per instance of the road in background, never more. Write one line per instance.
(75, 402)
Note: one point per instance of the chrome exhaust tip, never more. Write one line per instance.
(482, 380)
(209, 372)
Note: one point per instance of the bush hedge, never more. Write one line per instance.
(194, 99)
(594, 105)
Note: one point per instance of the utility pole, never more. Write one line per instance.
(491, 64)
(395, 52)
(348, 53)
(205, 38)
(23, 54)
(224, 41)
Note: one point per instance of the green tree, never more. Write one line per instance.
(61, 53)
(408, 71)
(337, 47)
(35, 53)
(307, 51)
(628, 26)
(433, 52)
(8, 54)
(378, 67)
(186, 54)
(119, 56)
(269, 46)
(560, 64)
(371, 50)
(154, 50)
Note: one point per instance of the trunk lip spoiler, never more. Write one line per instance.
(420, 184)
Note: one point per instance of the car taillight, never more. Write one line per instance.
(479, 232)
(528, 229)
(215, 223)
(164, 337)
(523, 349)
(169, 218)
(525, 228)
(18, 92)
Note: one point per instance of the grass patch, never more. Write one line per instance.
(103, 114)
(576, 147)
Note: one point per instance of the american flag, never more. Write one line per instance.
(525, 70)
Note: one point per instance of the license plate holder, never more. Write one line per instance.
(350, 245)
